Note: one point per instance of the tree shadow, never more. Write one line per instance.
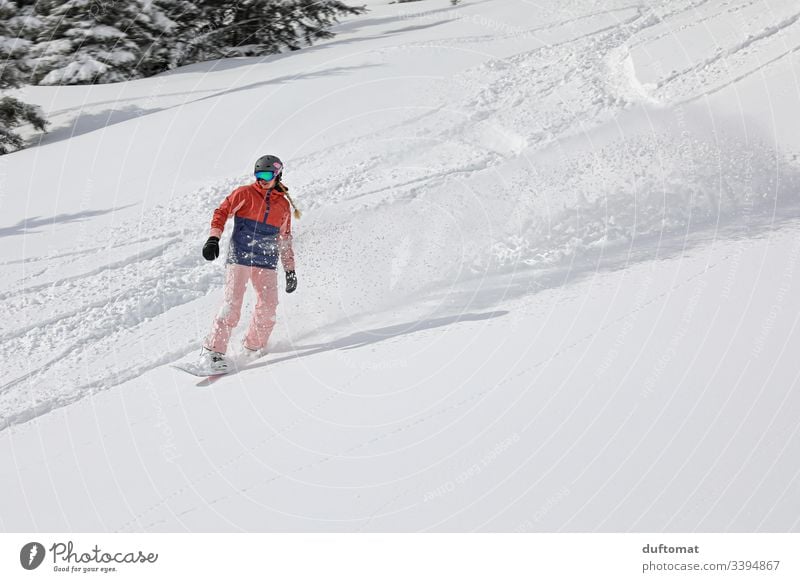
(414, 13)
(88, 122)
(415, 27)
(275, 81)
(29, 225)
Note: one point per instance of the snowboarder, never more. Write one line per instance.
(262, 233)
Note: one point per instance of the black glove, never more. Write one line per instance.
(211, 248)
(291, 281)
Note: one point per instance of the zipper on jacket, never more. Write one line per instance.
(266, 210)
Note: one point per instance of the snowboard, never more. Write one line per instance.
(195, 369)
(235, 363)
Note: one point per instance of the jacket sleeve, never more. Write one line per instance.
(229, 206)
(285, 243)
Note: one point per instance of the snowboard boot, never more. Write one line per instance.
(250, 354)
(214, 361)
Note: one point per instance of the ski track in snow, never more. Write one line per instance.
(62, 326)
(475, 123)
(713, 72)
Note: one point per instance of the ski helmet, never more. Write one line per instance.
(269, 164)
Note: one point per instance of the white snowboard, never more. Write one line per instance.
(236, 361)
(198, 369)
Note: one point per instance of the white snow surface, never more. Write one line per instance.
(547, 281)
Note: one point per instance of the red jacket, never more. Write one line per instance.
(262, 227)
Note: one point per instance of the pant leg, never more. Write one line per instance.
(227, 318)
(265, 283)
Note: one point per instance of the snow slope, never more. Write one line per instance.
(547, 281)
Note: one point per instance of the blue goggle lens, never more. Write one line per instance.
(266, 176)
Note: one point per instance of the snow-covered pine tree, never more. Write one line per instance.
(165, 52)
(25, 23)
(13, 112)
(255, 27)
(98, 41)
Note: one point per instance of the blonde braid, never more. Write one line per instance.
(285, 189)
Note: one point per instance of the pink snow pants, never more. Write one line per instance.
(265, 283)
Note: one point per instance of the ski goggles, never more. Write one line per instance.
(266, 175)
